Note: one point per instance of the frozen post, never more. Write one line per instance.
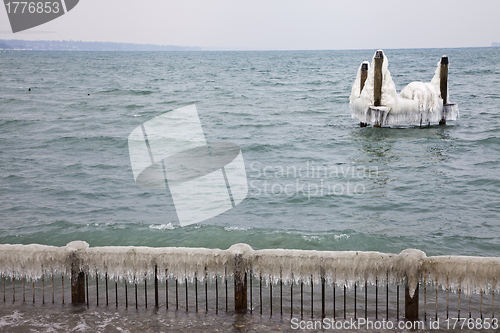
(412, 261)
(364, 75)
(240, 277)
(377, 84)
(443, 79)
(240, 285)
(77, 281)
(411, 304)
(377, 87)
(77, 274)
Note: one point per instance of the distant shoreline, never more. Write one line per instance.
(45, 45)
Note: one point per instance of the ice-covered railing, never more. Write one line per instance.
(340, 268)
(374, 99)
(469, 274)
(118, 262)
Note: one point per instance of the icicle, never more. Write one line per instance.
(342, 268)
(182, 263)
(31, 260)
(436, 79)
(338, 267)
(410, 266)
(472, 273)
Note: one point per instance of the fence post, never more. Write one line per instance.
(77, 275)
(240, 285)
(411, 264)
(240, 276)
(77, 285)
(443, 85)
(156, 286)
(364, 75)
(411, 304)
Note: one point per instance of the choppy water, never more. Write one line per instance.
(316, 179)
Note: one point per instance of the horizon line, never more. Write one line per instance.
(225, 49)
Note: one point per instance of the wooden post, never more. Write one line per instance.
(443, 79)
(77, 281)
(156, 286)
(377, 84)
(240, 285)
(411, 304)
(323, 297)
(364, 75)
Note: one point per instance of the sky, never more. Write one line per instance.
(275, 24)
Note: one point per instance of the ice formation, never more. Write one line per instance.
(33, 260)
(362, 100)
(470, 274)
(418, 102)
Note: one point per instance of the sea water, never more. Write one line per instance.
(316, 180)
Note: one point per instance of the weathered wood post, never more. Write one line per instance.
(411, 304)
(364, 75)
(377, 84)
(323, 287)
(77, 275)
(156, 286)
(240, 285)
(240, 277)
(443, 86)
(411, 262)
(77, 286)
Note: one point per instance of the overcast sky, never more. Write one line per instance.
(275, 24)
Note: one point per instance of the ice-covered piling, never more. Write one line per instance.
(240, 276)
(77, 275)
(377, 102)
(363, 77)
(443, 85)
(443, 79)
(364, 74)
(411, 264)
(377, 83)
(377, 87)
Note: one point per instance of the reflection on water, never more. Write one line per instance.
(25, 317)
(20, 317)
(388, 144)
